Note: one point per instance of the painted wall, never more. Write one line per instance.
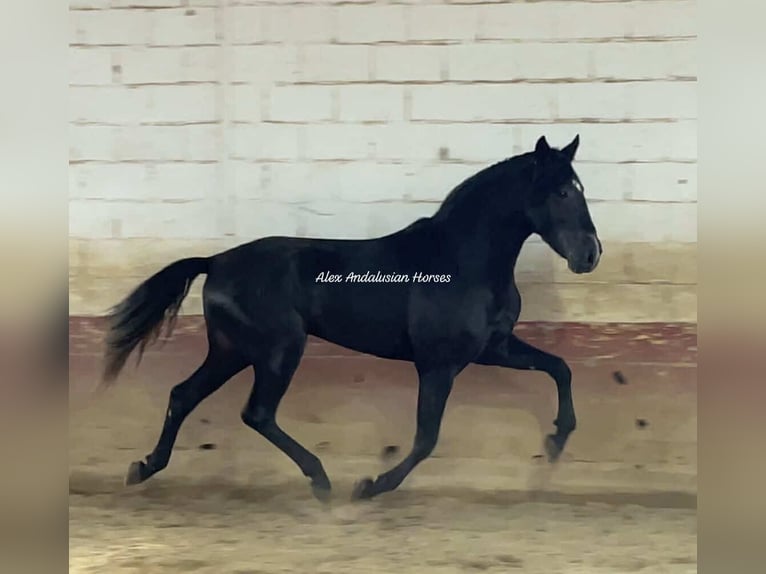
(201, 124)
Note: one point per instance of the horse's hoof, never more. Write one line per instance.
(363, 489)
(552, 448)
(136, 473)
(322, 490)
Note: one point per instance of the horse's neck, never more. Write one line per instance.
(486, 245)
(507, 239)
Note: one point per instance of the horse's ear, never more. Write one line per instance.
(571, 149)
(542, 147)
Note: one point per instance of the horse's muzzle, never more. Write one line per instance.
(583, 257)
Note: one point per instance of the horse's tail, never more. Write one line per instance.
(138, 319)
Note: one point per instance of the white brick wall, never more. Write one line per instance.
(213, 119)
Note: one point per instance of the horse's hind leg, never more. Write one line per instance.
(273, 372)
(217, 368)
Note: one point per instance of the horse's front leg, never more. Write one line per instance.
(435, 387)
(514, 353)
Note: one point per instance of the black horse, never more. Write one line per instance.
(442, 295)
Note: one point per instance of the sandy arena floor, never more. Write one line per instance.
(239, 506)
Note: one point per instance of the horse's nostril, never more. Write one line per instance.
(591, 258)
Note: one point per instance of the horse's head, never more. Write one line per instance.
(557, 210)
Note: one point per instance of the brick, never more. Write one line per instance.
(181, 181)
(587, 20)
(336, 63)
(247, 179)
(645, 60)
(517, 21)
(472, 142)
(340, 142)
(434, 182)
(90, 66)
(92, 219)
(170, 65)
(244, 24)
(133, 182)
(498, 102)
(120, 181)
(599, 101)
(518, 61)
(111, 105)
(371, 23)
(245, 103)
(150, 104)
(109, 27)
(408, 63)
(168, 143)
(193, 219)
(256, 218)
(645, 221)
(106, 181)
(181, 104)
(264, 65)
(371, 103)
(300, 182)
(299, 24)
(475, 142)
(666, 100)
(405, 141)
(92, 142)
(182, 27)
(266, 141)
(671, 18)
(361, 182)
(664, 182)
(562, 60)
(443, 22)
(300, 103)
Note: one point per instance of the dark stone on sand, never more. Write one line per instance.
(620, 378)
(208, 446)
(389, 451)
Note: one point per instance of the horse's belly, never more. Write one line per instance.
(366, 318)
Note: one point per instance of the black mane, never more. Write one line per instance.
(478, 190)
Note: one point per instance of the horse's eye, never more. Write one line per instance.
(563, 192)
